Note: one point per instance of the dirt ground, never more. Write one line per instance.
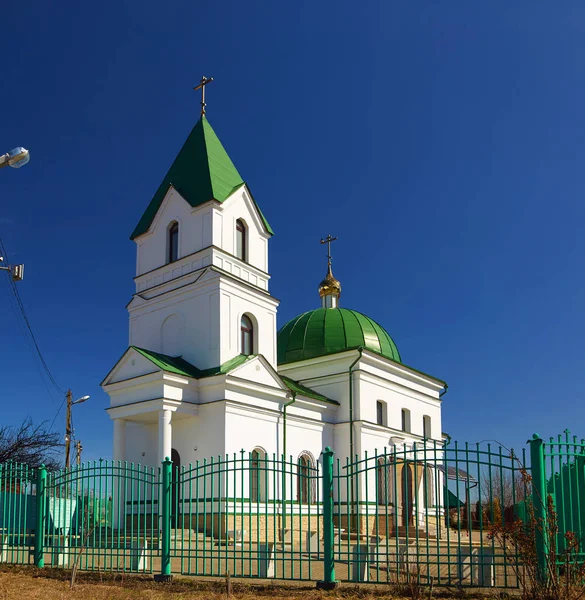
(20, 583)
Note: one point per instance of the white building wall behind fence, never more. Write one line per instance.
(396, 398)
(142, 437)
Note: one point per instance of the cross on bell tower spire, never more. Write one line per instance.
(204, 81)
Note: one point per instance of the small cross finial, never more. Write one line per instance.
(328, 241)
(204, 81)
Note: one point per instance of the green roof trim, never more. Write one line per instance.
(180, 366)
(227, 366)
(303, 390)
(177, 365)
(202, 171)
(330, 330)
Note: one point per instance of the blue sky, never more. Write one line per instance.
(442, 142)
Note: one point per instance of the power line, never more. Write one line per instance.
(28, 325)
(57, 414)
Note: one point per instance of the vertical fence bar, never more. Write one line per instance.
(328, 582)
(539, 501)
(41, 509)
(165, 519)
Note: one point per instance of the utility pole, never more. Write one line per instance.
(68, 428)
(68, 431)
(78, 448)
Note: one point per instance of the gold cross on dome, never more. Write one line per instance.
(328, 241)
(204, 81)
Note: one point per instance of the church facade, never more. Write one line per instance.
(207, 372)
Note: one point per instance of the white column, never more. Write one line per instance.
(119, 439)
(165, 434)
(118, 499)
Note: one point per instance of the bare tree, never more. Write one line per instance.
(504, 487)
(30, 444)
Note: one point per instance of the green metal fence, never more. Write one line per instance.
(427, 511)
(101, 515)
(250, 515)
(424, 511)
(17, 513)
(564, 460)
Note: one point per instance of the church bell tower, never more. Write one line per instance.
(202, 261)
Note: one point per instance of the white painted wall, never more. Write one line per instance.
(240, 206)
(181, 308)
(210, 224)
(201, 321)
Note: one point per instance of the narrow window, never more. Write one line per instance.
(247, 336)
(258, 475)
(380, 412)
(304, 480)
(405, 420)
(385, 480)
(241, 241)
(428, 487)
(173, 244)
(382, 487)
(427, 427)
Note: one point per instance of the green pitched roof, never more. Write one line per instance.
(169, 364)
(181, 367)
(303, 390)
(227, 366)
(201, 172)
(329, 330)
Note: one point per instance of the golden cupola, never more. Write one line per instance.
(329, 290)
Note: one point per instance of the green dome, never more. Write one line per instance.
(328, 330)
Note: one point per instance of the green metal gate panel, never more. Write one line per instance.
(426, 512)
(249, 515)
(102, 515)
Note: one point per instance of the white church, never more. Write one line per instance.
(208, 372)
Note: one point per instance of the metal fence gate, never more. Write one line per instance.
(428, 512)
(249, 515)
(101, 515)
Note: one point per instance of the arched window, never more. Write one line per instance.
(381, 413)
(405, 420)
(385, 475)
(427, 427)
(428, 487)
(241, 240)
(305, 478)
(247, 335)
(258, 475)
(173, 243)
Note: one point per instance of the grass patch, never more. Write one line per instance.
(23, 583)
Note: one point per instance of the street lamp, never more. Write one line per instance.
(68, 431)
(16, 158)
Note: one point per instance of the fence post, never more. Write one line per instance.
(165, 522)
(539, 502)
(40, 516)
(328, 582)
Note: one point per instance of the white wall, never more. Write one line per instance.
(142, 437)
(209, 224)
(225, 215)
(181, 308)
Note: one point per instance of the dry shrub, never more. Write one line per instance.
(564, 572)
